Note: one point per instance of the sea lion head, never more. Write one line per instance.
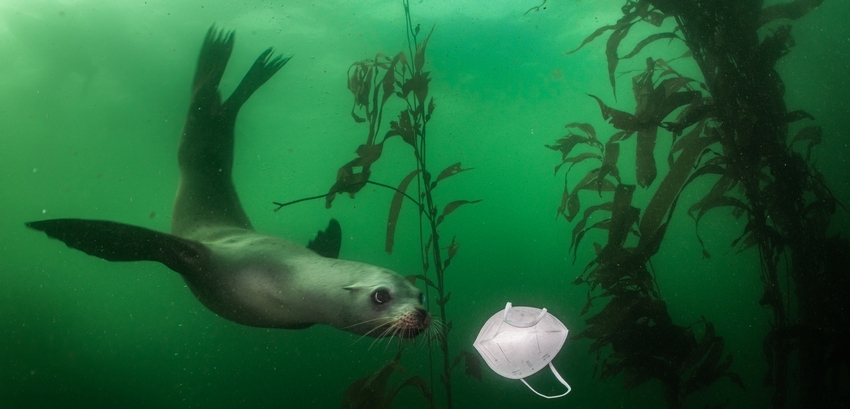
(385, 304)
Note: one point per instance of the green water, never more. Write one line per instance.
(93, 97)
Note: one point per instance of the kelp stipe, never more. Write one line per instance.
(402, 78)
(737, 129)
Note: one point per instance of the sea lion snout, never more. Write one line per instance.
(413, 323)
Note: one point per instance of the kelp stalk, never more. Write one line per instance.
(374, 83)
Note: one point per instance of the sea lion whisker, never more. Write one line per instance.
(394, 335)
(386, 330)
(436, 331)
(366, 322)
(367, 333)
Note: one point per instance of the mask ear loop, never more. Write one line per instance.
(522, 324)
(560, 379)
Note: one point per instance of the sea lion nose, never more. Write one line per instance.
(423, 318)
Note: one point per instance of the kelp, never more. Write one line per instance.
(374, 391)
(376, 85)
(732, 126)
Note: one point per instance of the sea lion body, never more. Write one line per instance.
(242, 275)
(266, 281)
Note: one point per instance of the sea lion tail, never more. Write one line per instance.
(122, 242)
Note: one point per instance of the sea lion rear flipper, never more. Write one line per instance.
(328, 242)
(122, 242)
(263, 69)
(206, 195)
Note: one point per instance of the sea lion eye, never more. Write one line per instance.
(381, 296)
(421, 298)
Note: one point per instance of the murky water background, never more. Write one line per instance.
(93, 97)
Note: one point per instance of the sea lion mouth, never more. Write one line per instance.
(412, 324)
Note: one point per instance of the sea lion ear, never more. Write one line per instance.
(328, 242)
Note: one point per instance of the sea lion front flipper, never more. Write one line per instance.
(122, 242)
(328, 242)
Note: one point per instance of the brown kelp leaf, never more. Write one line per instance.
(603, 225)
(813, 134)
(651, 245)
(656, 18)
(599, 31)
(750, 239)
(648, 40)
(425, 255)
(609, 162)
(673, 101)
(472, 367)
(646, 96)
(452, 207)
(676, 84)
(620, 136)
(680, 144)
(670, 187)
(389, 79)
(381, 60)
(694, 113)
(348, 181)
(710, 369)
(427, 280)
(611, 52)
(395, 209)
(621, 120)
(798, 115)
(612, 317)
(570, 205)
(623, 215)
(566, 144)
(442, 301)
(418, 383)
(645, 157)
(579, 228)
(792, 10)
(566, 203)
(575, 160)
(597, 184)
(368, 154)
(724, 184)
(431, 107)
(419, 59)
(371, 391)
(721, 202)
(447, 172)
(356, 117)
(403, 127)
(584, 127)
(360, 82)
(418, 83)
(451, 250)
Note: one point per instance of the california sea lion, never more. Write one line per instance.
(242, 275)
